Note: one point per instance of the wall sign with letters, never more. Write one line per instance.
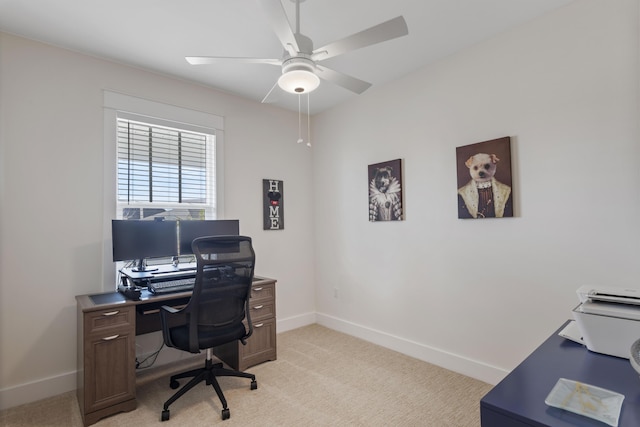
(273, 204)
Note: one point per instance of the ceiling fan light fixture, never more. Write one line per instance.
(299, 81)
(298, 76)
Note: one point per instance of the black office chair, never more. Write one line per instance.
(214, 315)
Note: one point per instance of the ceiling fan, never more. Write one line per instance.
(301, 71)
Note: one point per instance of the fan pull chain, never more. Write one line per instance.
(299, 121)
(308, 122)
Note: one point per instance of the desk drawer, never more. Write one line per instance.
(261, 346)
(106, 354)
(261, 310)
(97, 322)
(263, 292)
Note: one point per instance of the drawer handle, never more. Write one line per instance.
(259, 325)
(258, 307)
(257, 289)
(112, 337)
(111, 313)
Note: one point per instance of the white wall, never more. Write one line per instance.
(51, 206)
(477, 296)
(473, 295)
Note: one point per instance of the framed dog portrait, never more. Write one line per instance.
(484, 179)
(385, 191)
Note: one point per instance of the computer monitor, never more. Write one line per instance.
(190, 230)
(140, 239)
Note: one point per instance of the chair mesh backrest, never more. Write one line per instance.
(223, 281)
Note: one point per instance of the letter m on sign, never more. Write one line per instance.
(272, 204)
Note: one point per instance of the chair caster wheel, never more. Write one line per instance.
(174, 384)
(254, 385)
(226, 414)
(165, 415)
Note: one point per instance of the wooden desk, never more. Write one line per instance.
(518, 400)
(108, 324)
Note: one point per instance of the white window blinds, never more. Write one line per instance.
(162, 165)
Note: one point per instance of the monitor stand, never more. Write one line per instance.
(142, 267)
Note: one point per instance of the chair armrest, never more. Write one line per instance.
(247, 316)
(165, 313)
(171, 310)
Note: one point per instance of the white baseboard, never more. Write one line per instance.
(284, 325)
(34, 391)
(453, 362)
(48, 387)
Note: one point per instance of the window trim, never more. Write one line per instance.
(116, 105)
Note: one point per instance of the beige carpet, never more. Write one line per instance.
(321, 378)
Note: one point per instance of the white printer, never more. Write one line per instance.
(608, 319)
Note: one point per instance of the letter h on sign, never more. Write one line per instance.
(273, 204)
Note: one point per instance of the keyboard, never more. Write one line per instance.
(170, 286)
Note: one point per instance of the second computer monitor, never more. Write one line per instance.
(190, 230)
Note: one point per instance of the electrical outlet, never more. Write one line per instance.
(335, 292)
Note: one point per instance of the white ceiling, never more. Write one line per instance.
(158, 34)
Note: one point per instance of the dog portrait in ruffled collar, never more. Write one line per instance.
(385, 191)
(484, 195)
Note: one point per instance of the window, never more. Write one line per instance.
(164, 172)
(194, 198)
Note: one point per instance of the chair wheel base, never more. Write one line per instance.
(165, 415)
(226, 414)
(254, 385)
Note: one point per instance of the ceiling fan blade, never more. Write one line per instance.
(391, 29)
(351, 83)
(266, 99)
(280, 24)
(203, 60)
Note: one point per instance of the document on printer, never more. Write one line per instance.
(572, 332)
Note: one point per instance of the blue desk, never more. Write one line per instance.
(518, 400)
